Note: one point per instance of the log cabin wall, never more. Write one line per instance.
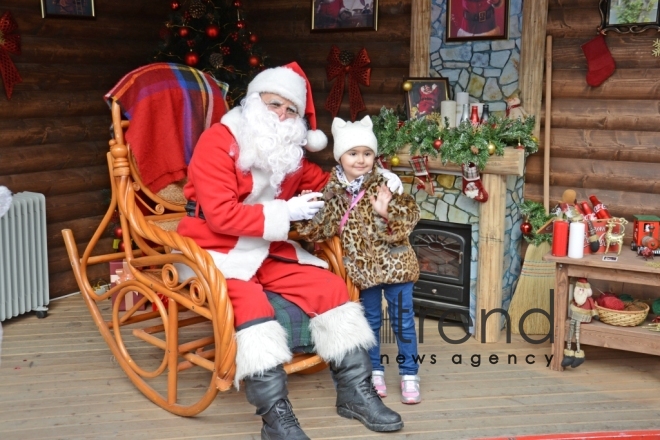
(284, 31)
(54, 131)
(604, 140)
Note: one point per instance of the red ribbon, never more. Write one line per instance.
(358, 73)
(508, 109)
(10, 42)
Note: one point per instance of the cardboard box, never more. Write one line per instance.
(118, 267)
(645, 225)
(600, 226)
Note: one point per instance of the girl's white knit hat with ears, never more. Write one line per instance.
(290, 82)
(5, 200)
(348, 135)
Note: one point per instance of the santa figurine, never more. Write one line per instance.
(581, 309)
(428, 99)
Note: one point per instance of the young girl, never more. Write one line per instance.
(374, 226)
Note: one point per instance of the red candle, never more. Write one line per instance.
(560, 238)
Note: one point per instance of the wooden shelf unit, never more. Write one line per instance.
(628, 269)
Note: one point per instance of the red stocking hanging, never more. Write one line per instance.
(424, 181)
(599, 61)
(472, 186)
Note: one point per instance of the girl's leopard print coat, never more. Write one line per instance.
(375, 251)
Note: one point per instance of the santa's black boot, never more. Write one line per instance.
(268, 393)
(356, 396)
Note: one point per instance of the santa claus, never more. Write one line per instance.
(243, 180)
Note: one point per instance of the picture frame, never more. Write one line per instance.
(425, 96)
(484, 20)
(68, 8)
(625, 18)
(344, 15)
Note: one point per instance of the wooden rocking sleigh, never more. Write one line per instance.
(189, 329)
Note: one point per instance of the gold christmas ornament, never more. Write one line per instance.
(491, 148)
(535, 139)
(395, 161)
(407, 86)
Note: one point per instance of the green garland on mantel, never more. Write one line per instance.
(534, 212)
(461, 145)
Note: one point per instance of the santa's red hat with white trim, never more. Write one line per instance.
(290, 82)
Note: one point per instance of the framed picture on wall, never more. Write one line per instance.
(68, 8)
(425, 96)
(469, 20)
(623, 17)
(344, 15)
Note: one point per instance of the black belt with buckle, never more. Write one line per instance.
(480, 16)
(191, 207)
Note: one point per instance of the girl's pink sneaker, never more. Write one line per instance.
(378, 380)
(410, 393)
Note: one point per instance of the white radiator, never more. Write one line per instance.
(23, 256)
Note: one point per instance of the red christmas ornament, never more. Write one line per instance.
(191, 59)
(240, 24)
(184, 32)
(253, 38)
(212, 31)
(237, 4)
(254, 61)
(175, 5)
(10, 42)
(526, 227)
(117, 232)
(437, 144)
(121, 247)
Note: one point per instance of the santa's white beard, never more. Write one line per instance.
(267, 143)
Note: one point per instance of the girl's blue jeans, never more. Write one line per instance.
(400, 306)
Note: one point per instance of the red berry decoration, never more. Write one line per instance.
(175, 5)
(191, 59)
(117, 232)
(190, 43)
(237, 4)
(254, 61)
(437, 144)
(240, 24)
(212, 31)
(184, 32)
(526, 227)
(253, 38)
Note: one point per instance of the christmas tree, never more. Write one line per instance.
(212, 36)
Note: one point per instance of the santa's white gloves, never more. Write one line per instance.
(393, 181)
(301, 208)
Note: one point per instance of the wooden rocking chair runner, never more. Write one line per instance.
(191, 327)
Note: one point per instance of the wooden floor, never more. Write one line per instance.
(58, 381)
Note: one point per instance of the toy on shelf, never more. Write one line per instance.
(615, 238)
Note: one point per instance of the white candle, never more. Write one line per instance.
(448, 112)
(576, 240)
(462, 98)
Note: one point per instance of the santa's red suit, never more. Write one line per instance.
(428, 100)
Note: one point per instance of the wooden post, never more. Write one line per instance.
(420, 38)
(491, 255)
(548, 124)
(535, 18)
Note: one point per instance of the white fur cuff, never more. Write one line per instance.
(259, 348)
(341, 330)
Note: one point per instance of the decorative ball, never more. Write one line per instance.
(184, 32)
(237, 4)
(117, 232)
(491, 148)
(197, 9)
(253, 38)
(254, 61)
(240, 24)
(191, 59)
(212, 31)
(175, 5)
(121, 247)
(407, 86)
(535, 139)
(216, 60)
(437, 144)
(395, 161)
(526, 228)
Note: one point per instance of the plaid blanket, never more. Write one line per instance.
(294, 321)
(169, 106)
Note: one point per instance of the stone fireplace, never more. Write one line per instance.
(494, 229)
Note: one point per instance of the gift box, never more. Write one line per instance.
(600, 225)
(119, 272)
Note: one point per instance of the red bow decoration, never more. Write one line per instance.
(340, 64)
(9, 43)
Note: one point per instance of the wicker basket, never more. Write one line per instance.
(623, 318)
